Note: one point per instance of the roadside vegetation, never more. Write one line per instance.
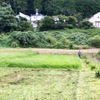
(70, 39)
(93, 62)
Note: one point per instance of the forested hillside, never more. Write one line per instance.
(55, 7)
(70, 31)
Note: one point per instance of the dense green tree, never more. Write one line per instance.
(72, 20)
(87, 7)
(85, 24)
(55, 7)
(8, 20)
(47, 23)
(21, 6)
(38, 5)
(24, 25)
(30, 7)
(68, 7)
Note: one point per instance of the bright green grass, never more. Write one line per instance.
(30, 59)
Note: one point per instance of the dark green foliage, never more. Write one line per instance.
(8, 21)
(85, 24)
(58, 22)
(71, 45)
(78, 16)
(24, 39)
(30, 7)
(81, 46)
(24, 25)
(70, 26)
(97, 74)
(14, 44)
(67, 38)
(72, 20)
(94, 41)
(62, 22)
(78, 38)
(47, 23)
(4, 40)
(93, 67)
(86, 8)
(99, 53)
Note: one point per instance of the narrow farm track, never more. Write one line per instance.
(54, 51)
(80, 82)
(88, 85)
(80, 86)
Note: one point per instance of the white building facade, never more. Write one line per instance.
(95, 20)
(33, 18)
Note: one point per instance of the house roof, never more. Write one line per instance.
(34, 17)
(24, 16)
(95, 17)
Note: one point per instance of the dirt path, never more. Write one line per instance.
(88, 85)
(56, 51)
(65, 51)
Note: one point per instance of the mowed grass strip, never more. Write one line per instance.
(30, 59)
(38, 84)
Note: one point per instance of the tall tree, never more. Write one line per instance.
(87, 7)
(38, 5)
(8, 20)
(30, 7)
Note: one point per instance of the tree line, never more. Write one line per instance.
(55, 7)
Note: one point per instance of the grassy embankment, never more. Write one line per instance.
(65, 38)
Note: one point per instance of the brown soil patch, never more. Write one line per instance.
(12, 78)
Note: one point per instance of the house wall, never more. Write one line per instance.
(95, 20)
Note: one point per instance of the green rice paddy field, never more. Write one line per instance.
(27, 75)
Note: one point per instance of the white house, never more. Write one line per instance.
(23, 16)
(33, 18)
(36, 17)
(95, 20)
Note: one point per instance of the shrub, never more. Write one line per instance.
(78, 38)
(93, 67)
(60, 45)
(59, 25)
(64, 40)
(69, 26)
(71, 45)
(97, 74)
(63, 18)
(99, 53)
(72, 20)
(24, 26)
(24, 39)
(94, 41)
(62, 22)
(81, 47)
(14, 44)
(4, 40)
(47, 23)
(85, 24)
(51, 40)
